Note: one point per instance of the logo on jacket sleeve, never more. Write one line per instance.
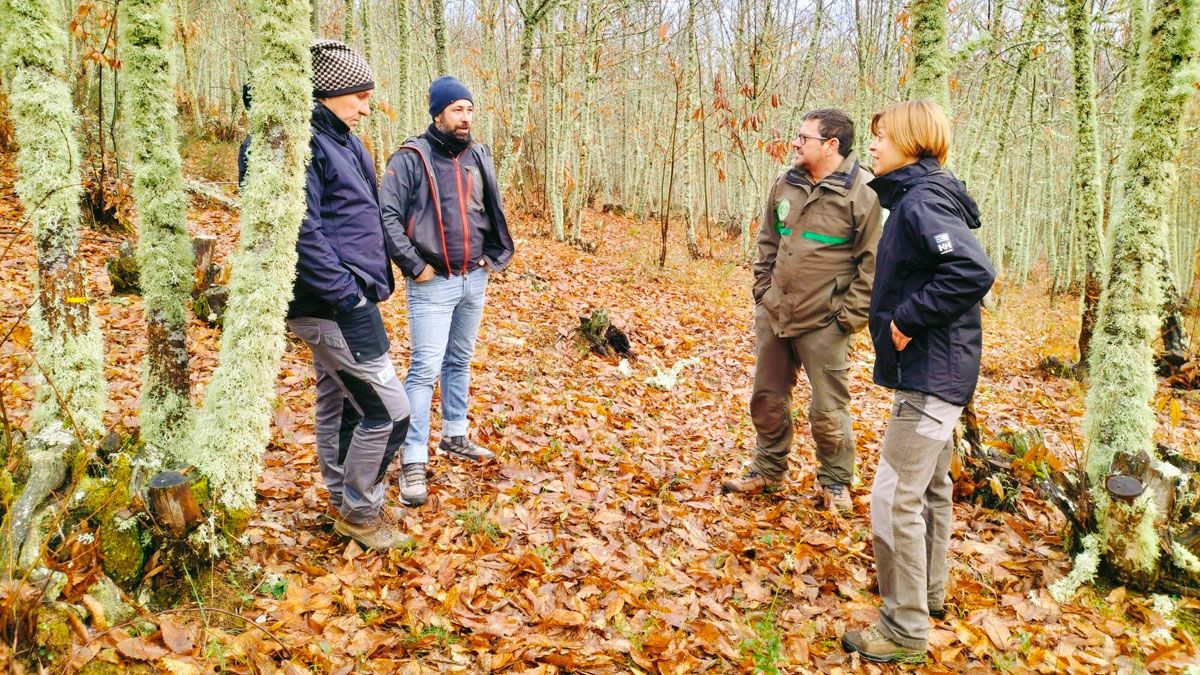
(944, 245)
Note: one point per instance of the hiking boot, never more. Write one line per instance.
(938, 613)
(412, 484)
(332, 513)
(836, 499)
(751, 483)
(462, 448)
(375, 533)
(873, 646)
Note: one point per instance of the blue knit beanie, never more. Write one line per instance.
(444, 91)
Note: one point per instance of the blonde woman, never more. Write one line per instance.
(930, 276)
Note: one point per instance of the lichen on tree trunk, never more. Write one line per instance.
(233, 427)
(930, 59)
(67, 342)
(1088, 211)
(1119, 422)
(164, 247)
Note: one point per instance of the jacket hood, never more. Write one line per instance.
(892, 186)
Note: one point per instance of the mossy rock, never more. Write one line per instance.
(52, 635)
(121, 550)
(98, 666)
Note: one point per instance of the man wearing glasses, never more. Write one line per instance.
(812, 288)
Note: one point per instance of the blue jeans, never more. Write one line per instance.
(443, 321)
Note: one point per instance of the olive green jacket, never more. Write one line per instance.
(816, 250)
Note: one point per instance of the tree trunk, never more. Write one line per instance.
(68, 345)
(930, 60)
(439, 36)
(1137, 526)
(1088, 197)
(404, 77)
(531, 17)
(164, 248)
(233, 427)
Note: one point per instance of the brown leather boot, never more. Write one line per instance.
(873, 646)
(376, 533)
(752, 482)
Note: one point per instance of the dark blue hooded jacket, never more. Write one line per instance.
(342, 255)
(930, 276)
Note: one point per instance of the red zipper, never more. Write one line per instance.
(462, 210)
(437, 203)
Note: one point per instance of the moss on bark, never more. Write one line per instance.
(164, 250)
(232, 429)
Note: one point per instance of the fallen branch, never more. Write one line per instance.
(211, 192)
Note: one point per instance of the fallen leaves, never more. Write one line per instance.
(599, 541)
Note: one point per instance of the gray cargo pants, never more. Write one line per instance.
(361, 409)
(911, 514)
(822, 354)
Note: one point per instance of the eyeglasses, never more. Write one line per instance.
(805, 137)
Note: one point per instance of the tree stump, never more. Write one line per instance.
(203, 247)
(172, 502)
(604, 338)
(123, 271)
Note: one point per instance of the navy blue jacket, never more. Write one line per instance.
(444, 211)
(342, 256)
(930, 276)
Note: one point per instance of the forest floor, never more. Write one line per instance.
(599, 540)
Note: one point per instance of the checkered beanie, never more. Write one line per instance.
(337, 70)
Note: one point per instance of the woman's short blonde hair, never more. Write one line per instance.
(917, 128)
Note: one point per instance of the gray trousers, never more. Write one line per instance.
(822, 355)
(362, 418)
(911, 514)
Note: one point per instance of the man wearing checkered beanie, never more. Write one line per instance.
(446, 231)
(342, 273)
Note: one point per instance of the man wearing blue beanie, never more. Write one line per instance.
(445, 228)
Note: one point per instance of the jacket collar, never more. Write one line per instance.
(840, 181)
(324, 120)
(893, 185)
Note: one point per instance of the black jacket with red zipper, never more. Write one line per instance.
(443, 210)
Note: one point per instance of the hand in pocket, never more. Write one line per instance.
(363, 330)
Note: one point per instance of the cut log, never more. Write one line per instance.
(172, 502)
(203, 247)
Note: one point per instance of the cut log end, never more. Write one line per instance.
(172, 502)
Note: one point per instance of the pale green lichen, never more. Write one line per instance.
(1164, 606)
(1119, 418)
(1185, 559)
(1086, 564)
(48, 163)
(164, 248)
(667, 379)
(1147, 550)
(70, 377)
(233, 427)
(930, 57)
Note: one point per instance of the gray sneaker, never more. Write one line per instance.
(463, 448)
(412, 484)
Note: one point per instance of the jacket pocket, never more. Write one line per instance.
(364, 333)
(474, 189)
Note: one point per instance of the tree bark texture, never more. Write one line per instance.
(232, 429)
(164, 248)
(1085, 168)
(930, 61)
(67, 342)
(1119, 422)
